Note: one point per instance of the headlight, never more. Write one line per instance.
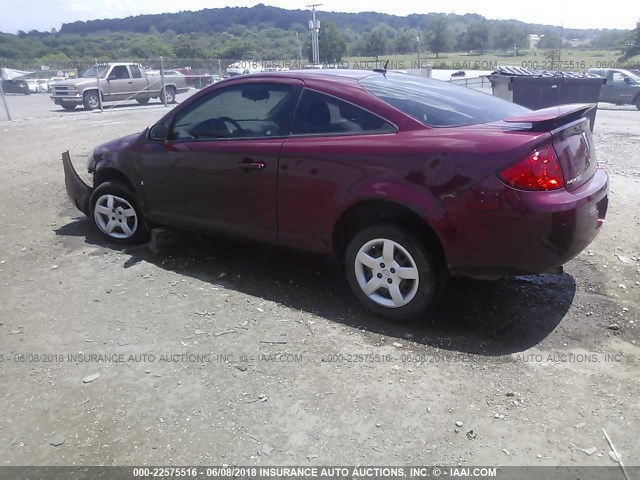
(91, 161)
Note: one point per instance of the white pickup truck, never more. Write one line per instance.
(118, 82)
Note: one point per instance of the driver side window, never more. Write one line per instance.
(119, 73)
(618, 78)
(254, 110)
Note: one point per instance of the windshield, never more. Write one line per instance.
(439, 104)
(91, 73)
(633, 76)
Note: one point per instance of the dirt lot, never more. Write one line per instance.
(533, 367)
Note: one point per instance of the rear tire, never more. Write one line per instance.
(638, 102)
(392, 272)
(142, 100)
(169, 93)
(116, 213)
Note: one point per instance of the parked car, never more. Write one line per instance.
(405, 179)
(244, 67)
(16, 86)
(197, 78)
(622, 87)
(36, 85)
(167, 73)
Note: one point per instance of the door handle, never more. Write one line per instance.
(251, 165)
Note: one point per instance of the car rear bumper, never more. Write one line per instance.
(512, 232)
(78, 191)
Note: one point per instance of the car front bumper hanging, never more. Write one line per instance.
(78, 191)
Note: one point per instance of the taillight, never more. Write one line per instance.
(538, 171)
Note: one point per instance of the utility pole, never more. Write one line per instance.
(314, 26)
(418, 44)
(564, 4)
(299, 47)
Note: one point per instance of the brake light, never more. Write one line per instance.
(538, 171)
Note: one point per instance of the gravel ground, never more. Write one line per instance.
(230, 353)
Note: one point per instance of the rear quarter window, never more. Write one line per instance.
(439, 104)
(135, 71)
(322, 114)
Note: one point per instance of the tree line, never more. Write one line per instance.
(269, 33)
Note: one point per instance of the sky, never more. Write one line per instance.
(44, 15)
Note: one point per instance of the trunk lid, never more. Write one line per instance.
(571, 137)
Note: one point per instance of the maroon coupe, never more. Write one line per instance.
(405, 179)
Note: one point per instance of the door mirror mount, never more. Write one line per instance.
(158, 133)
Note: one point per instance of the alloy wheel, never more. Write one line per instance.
(387, 273)
(115, 217)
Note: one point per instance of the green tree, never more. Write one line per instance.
(633, 43)
(375, 43)
(187, 48)
(405, 41)
(236, 50)
(610, 39)
(476, 37)
(438, 34)
(150, 47)
(507, 34)
(550, 41)
(53, 59)
(332, 45)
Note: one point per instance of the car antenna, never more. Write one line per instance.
(382, 70)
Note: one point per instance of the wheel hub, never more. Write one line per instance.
(387, 273)
(115, 216)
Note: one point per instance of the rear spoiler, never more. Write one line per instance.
(553, 117)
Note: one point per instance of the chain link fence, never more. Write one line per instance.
(194, 73)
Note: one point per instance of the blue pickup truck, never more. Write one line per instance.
(622, 87)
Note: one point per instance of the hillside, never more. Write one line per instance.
(266, 32)
(228, 19)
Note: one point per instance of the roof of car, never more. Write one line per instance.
(320, 73)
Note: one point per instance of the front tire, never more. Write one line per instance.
(638, 102)
(142, 100)
(116, 214)
(69, 107)
(91, 100)
(391, 272)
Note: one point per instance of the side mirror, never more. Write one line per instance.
(158, 132)
(627, 80)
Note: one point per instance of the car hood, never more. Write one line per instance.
(76, 81)
(112, 150)
(117, 144)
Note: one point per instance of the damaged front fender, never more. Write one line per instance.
(78, 191)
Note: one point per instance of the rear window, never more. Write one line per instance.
(439, 104)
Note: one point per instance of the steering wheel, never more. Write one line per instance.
(226, 121)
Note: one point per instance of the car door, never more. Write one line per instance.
(330, 142)
(119, 83)
(616, 90)
(218, 170)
